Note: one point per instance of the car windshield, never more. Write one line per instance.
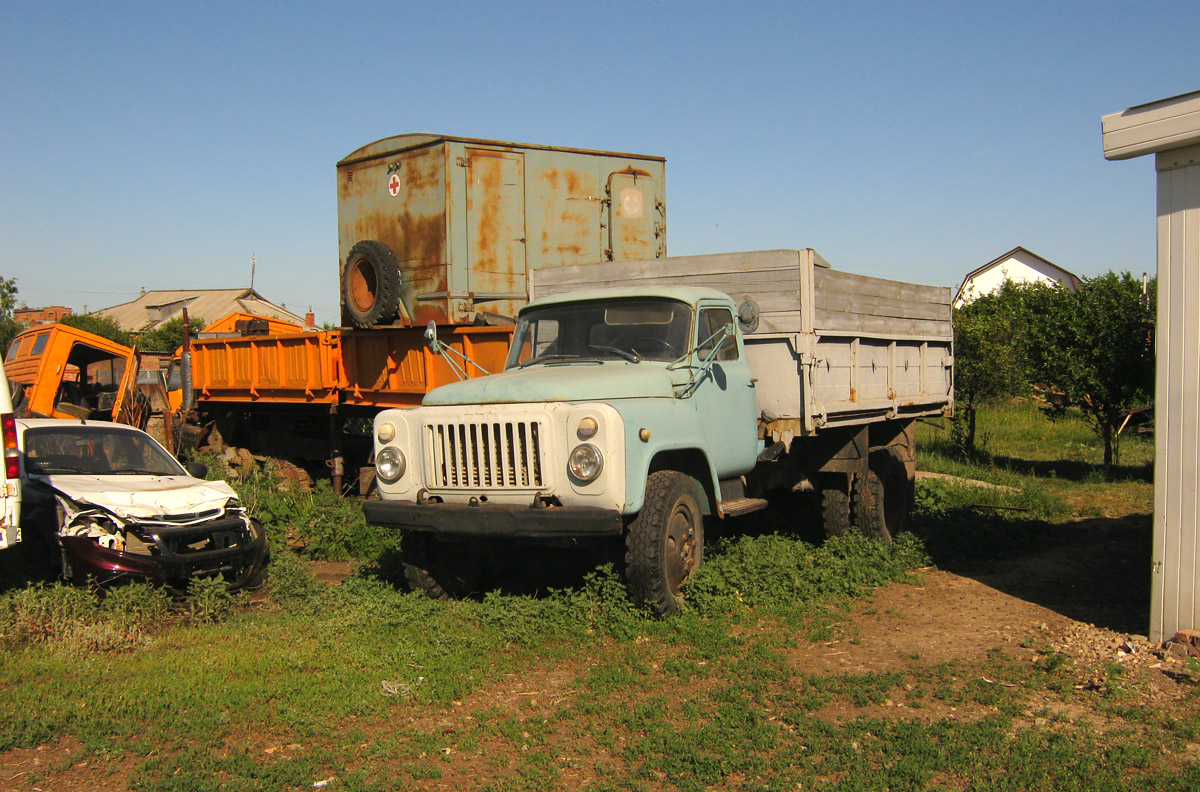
(96, 450)
(633, 330)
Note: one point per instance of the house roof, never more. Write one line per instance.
(153, 308)
(1070, 279)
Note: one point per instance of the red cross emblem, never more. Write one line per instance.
(394, 185)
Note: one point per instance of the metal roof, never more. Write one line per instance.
(153, 308)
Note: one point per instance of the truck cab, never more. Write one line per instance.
(620, 412)
(62, 372)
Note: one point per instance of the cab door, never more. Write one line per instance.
(10, 474)
(725, 400)
(131, 407)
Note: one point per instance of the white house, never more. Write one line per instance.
(1018, 265)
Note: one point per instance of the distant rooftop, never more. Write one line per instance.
(156, 307)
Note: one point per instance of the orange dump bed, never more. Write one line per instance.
(387, 367)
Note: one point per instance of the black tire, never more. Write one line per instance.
(264, 567)
(866, 504)
(371, 284)
(835, 506)
(888, 465)
(440, 569)
(664, 545)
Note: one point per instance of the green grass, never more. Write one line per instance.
(380, 689)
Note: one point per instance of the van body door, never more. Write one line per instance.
(10, 473)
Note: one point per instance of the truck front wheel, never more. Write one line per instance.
(664, 545)
(442, 570)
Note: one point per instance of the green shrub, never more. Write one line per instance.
(326, 525)
(209, 600)
(77, 621)
(137, 605)
(778, 573)
(47, 612)
(292, 580)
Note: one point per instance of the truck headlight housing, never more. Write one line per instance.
(585, 462)
(386, 432)
(390, 464)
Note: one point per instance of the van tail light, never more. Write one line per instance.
(12, 457)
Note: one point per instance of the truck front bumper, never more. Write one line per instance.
(456, 519)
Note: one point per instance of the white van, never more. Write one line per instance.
(10, 474)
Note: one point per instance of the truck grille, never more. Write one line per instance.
(484, 454)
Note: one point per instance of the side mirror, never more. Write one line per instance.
(431, 337)
(197, 469)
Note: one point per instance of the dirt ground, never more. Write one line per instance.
(1086, 596)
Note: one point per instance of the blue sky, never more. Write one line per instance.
(160, 145)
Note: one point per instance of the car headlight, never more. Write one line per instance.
(585, 462)
(389, 464)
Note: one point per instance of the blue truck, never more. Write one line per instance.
(641, 397)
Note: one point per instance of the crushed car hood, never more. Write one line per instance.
(143, 496)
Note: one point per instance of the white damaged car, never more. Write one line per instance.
(116, 504)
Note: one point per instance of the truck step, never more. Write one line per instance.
(739, 506)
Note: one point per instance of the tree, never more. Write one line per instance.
(1094, 350)
(102, 326)
(8, 297)
(990, 356)
(168, 336)
(9, 327)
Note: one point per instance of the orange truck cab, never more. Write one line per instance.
(63, 372)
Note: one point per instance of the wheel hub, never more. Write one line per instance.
(680, 549)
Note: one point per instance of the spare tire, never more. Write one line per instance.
(371, 284)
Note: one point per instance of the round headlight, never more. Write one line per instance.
(587, 428)
(389, 464)
(586, 462)
(387, 432)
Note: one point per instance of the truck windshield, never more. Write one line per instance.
(633, 330)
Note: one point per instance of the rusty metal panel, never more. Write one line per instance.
(564, 213)
(634, 225)
(399, 198)
(496, 229)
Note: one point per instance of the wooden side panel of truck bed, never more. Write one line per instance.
(829, 348)
(365, 368)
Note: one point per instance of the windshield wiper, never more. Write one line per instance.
(630, 356)
(141, 471)
(544, 358)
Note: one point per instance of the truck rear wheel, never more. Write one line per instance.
(664, 545)
(882, 497)
(888, 465)
(835, 505)
(440, 569)
(371, 284)
(866, 496)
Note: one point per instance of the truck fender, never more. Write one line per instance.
(690, 461)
